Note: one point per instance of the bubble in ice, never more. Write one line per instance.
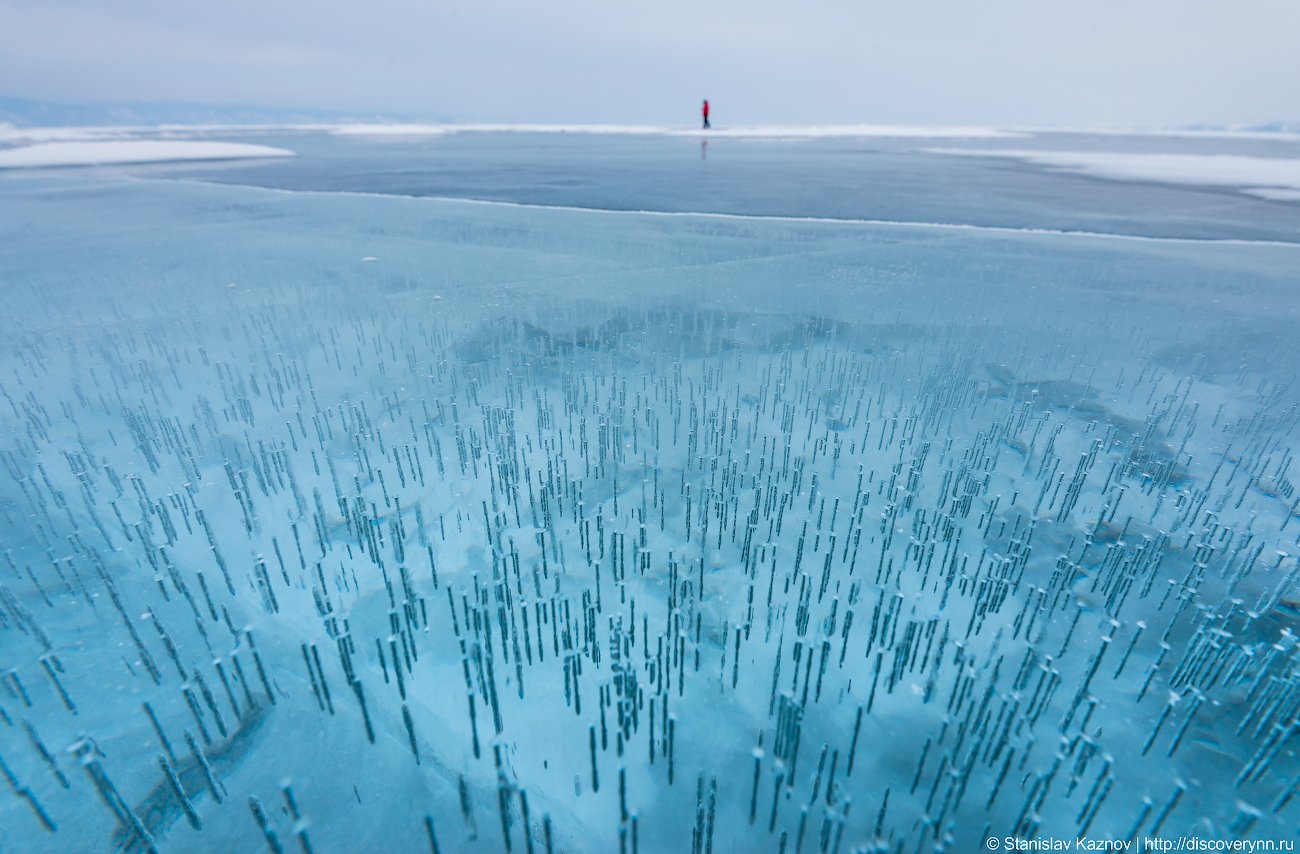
(323, 568)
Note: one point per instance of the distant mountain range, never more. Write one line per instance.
(25, 112)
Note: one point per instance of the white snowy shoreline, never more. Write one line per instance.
(97, 152)
(1276, 178)
(748, 132)
(11, 135)
(16, 135)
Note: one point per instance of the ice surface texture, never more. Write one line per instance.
(336, 523)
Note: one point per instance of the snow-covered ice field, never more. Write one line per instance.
(619, 492)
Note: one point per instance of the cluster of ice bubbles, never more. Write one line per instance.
(642, 578)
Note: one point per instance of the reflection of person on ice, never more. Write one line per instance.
(705, 112)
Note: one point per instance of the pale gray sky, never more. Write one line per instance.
(1039, 62)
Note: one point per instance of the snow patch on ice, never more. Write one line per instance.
(1269, 177)
(90, 153)
(1172, 133)
(1276, 194)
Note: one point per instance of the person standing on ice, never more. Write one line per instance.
(705, 112)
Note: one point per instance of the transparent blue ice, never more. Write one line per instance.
(370, 510)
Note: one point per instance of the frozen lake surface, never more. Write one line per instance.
(594, 492)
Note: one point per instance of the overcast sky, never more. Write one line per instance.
(1026, 62)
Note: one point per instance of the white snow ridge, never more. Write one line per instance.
(1267, 177)
(92, 153)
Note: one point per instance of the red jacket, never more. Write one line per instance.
(706, 109)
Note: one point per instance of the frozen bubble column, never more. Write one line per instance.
(335, 523)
